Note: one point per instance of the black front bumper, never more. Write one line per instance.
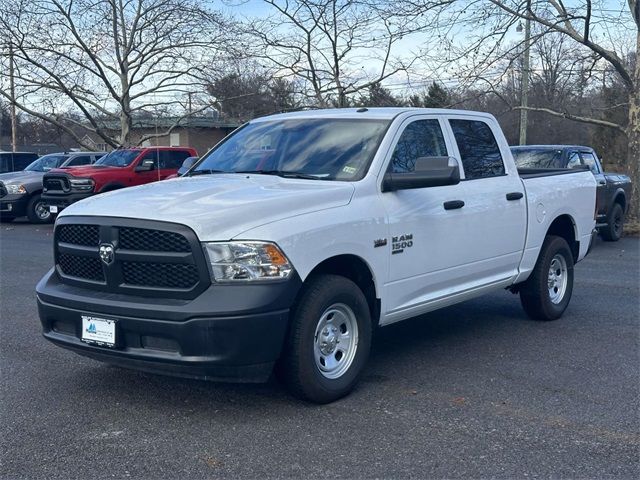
(14, 205)
(228, 333)
(64, 200)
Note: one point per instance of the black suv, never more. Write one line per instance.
(15, 161)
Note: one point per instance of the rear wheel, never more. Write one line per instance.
(612, 232)
(547, 292)
(328, 342)
(38, 211)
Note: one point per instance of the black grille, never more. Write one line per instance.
(89, 268)
(56, 183)
(149, 258)
(87, 235)
(152, 240)
(165, 275)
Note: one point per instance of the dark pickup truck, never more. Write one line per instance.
(614, 189)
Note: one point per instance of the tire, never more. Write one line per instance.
(546, 294)
(612, 232)
(37, 211)
(314, 365)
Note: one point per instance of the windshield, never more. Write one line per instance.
(536, 158)
(329, 149)
(118, 158)
(46, 163)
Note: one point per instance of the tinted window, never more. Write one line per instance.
(79, 160)
(172, 159)
(589, 159)
(479, 150)
(537, 158)
(422, 138)
(10, 162)
(332, 149)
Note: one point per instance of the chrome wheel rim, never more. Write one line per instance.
(558, 278)
(42, 212)
(336, 341)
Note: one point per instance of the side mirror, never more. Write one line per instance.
(186, 165)
(428, 172)
(146, 165)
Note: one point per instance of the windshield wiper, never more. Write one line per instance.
(205, 172)
(286, 174)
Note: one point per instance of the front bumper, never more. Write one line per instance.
(64, 200)
(228, 333)
(14, 205)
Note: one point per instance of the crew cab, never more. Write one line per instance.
(21, 192)
(121, 168)
(614, 189)
(299, 234)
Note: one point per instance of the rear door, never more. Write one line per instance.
(171, 161)
(495, 205)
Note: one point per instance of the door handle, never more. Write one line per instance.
(514, 196)
(602, 182)
(453, 204)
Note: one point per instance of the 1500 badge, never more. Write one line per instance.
(398, 244)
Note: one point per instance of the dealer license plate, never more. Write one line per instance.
(100, 331)
(53, 209)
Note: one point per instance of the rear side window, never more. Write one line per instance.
(479, 150)
(422, 138)
(574, 160)
(172, 159)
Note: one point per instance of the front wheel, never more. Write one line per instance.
(329, 340)
(547, 292)
(38, 211)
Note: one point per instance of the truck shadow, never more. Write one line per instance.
(407, 349)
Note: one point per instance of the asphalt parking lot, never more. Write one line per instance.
(475, 391)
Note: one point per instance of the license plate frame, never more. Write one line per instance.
(98, 331)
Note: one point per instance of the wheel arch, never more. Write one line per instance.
(621, 198)
(356, 269)
(565, 226)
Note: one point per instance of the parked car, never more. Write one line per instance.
(121, 168)
(299, 234)
(184, 168)
(614, 189)
(15, 161)
(20, 192)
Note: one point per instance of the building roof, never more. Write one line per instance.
(167, 122)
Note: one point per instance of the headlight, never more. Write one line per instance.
(246, 261)
(81, 183)
(16, 189)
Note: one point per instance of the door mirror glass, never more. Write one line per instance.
(146, 165)
(186, 165)
(428, 172)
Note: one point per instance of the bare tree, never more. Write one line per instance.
(338, 48)
(107, 60)
(593, 25)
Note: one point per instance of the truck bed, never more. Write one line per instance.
(548, 172)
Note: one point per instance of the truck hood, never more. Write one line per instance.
(218, 207)
(23, 177)
(87, 170)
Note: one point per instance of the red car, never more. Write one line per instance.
(121, 168)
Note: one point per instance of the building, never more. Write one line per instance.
(201, 133)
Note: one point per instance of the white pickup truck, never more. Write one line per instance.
(299, 234)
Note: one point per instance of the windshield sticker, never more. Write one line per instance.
(348, 169)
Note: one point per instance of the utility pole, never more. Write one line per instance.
(12, 92)
(524, 94)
